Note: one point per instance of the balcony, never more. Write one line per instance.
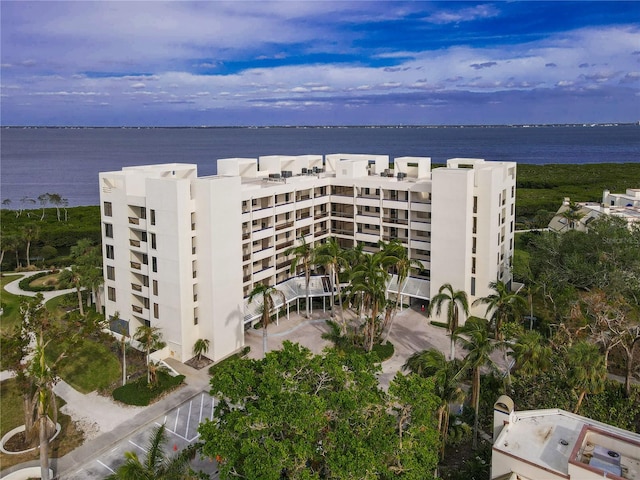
(319, 215)
(136, 287)
(246, 278)
(134, 220)
(282, 226)
(136, 265)
(395, 220)
(134, 243)
(136, 309)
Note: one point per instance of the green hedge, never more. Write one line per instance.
(140, 394)
(25, 283)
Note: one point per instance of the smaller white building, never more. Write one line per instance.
(623, 205)
(556, 444)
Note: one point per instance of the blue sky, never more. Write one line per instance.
(318, 62)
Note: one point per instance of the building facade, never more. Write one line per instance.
(183, 252)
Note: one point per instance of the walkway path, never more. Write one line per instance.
(14, 288)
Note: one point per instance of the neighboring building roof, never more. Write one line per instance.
(626, 206)
(564, 445)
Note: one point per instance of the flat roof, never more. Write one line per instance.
(551, 438)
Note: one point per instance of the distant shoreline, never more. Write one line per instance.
(150, 127)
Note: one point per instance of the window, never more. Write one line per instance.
(144, 236)
(154, 264)
(108, 230)
(108, 210)
(513, 192)
(195, 316)
(155, 287)
(473, 264)
(474, 245)
(156, 311)
(473, 285)
(475, 224)
(475, 204)
(109, 251)
(153, 216)
(145, 280)
(145, 302)
(153, 241)
(111, 294)
(143, 212)
(111, 273)
(145, 259)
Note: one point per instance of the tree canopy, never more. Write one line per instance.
(298, 415)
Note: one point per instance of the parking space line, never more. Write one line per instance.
(175, 427)
(106, 466)
(188, 419)
(138, 446)
(201, 407)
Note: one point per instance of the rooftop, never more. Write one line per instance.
(570, 445)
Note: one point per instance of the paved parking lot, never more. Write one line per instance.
(181, 427)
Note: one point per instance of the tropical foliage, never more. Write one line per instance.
(298, 415)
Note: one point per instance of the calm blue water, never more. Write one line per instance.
(34, 161)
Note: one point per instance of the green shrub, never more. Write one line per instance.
(48, 252)
(242, 353)
(439, 324)
(25, 283)
(140, 394)
(384, 352)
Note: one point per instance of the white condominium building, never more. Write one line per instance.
(183, 252)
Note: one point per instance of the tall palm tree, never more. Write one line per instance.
(267, 293)
(151, 339)
(369, 281)
(573, 214)
(503, 305)
(332, 256)
(432, 363)
(403, 266)
(531, 354)
(586, 372)
(30, 232)
(302, 254)
(474, 338)
(454, 300)
(157, 465)
(44, 405)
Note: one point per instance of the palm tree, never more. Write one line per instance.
(573, 214)
(151, 339)
(474, 338)
(332, 256)
(403, 266)
(446, 374)
(530, 353)
(369, 280)
(43, 401)
(200, 347)
(586, 372)
(267, 293)
(302, 254)
(503, 305)
(157, 465)
(30, 232)
(454, 300)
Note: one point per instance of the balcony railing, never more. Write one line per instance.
(136, 265)
(284, 225)
(246, 278)
(319, 215)
(134, 243)
(136, 287)
(136, 308)
(342, 214)
(398, 221)
(134, 220)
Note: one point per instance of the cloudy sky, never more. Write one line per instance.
(318, 62)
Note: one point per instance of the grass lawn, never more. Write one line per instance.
(12, 415)
(10, 305)
(90, 366)
(47, 280)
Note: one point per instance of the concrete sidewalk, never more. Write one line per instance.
(14, 287)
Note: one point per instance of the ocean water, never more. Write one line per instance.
(67, 161)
